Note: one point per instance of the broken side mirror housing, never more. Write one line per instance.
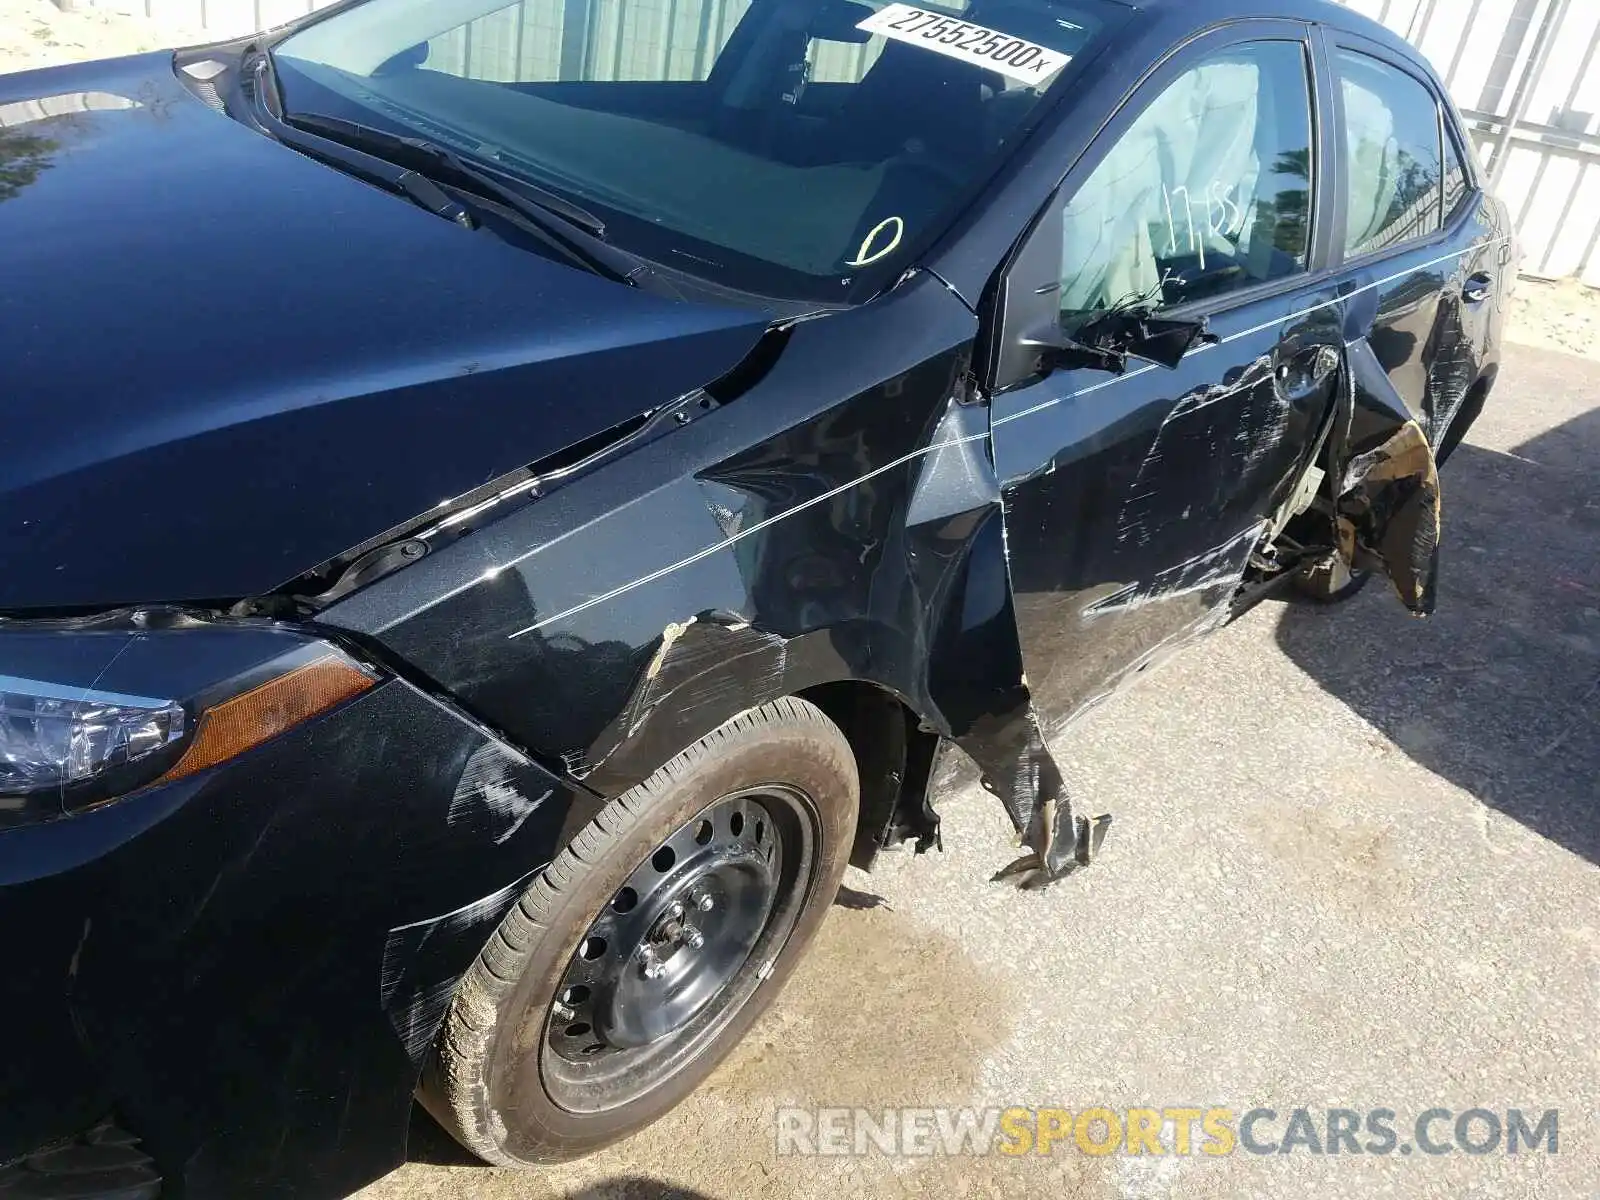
(1162, 340)
(1105, 342)
(1029, 340)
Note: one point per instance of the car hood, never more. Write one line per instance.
(225, 363)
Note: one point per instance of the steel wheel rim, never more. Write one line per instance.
(679, 948)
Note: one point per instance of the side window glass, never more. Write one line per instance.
(1393, 154)
(1455, 178)
(1208, 192)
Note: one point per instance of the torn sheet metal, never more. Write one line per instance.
(957, 548)
(1389, 511)
(1020, 770)
(706, 662)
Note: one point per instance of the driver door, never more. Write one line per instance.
(1134, 501)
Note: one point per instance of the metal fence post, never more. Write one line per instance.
(1420, 22)
(1522, 98)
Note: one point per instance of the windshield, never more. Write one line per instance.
(794, 148)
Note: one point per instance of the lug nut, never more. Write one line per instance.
(654, 968)
(703, 901)
(562, 1012)
(693, 938)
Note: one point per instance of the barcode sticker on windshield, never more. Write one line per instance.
(1014, 57)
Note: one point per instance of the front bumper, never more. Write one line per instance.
(246, 967)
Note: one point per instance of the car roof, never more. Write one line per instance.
(1204, 13)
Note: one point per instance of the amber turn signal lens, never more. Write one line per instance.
(264, 712)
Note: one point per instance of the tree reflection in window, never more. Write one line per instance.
(1393, 153)
(22, 157)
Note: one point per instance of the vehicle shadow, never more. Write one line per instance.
(1499, 692)
(429, 1144)
(635, 1187)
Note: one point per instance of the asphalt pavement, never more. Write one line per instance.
(1355, 864)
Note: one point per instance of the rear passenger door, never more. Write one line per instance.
(1418, 252)
(1134, 501)
(1421, 269)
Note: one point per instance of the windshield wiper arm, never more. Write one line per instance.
(409, 183)
(573, 230)
(375, 155)
(407, 150)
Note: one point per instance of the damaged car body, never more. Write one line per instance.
(486, 546)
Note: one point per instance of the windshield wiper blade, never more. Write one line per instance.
(412, 184)
(573, 230)
(374, 155)
(521, 197)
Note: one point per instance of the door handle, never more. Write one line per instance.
(1478, 289)
(1305, 376)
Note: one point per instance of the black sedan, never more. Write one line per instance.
(497, 514)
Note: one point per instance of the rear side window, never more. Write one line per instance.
(1208, 192)
(1394, 156)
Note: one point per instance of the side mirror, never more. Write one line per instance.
(1026, 330)
(1058, 352)
(1135, 331)
(1027, 339)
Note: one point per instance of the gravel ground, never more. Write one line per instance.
(1354, 864)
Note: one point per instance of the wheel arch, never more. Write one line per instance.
(896, 751)
(1466, 416)
(708, 669)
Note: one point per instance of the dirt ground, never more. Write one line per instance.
(1354, 863)
(1561, 316)
(35, 33)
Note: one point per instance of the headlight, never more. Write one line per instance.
(92, 712)
(53, 736)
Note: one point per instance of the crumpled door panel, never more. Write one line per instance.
(1388, 506)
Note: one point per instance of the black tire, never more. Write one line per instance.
(495, 1075)
(1331, 582)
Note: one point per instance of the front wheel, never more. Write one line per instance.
(641, 955)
